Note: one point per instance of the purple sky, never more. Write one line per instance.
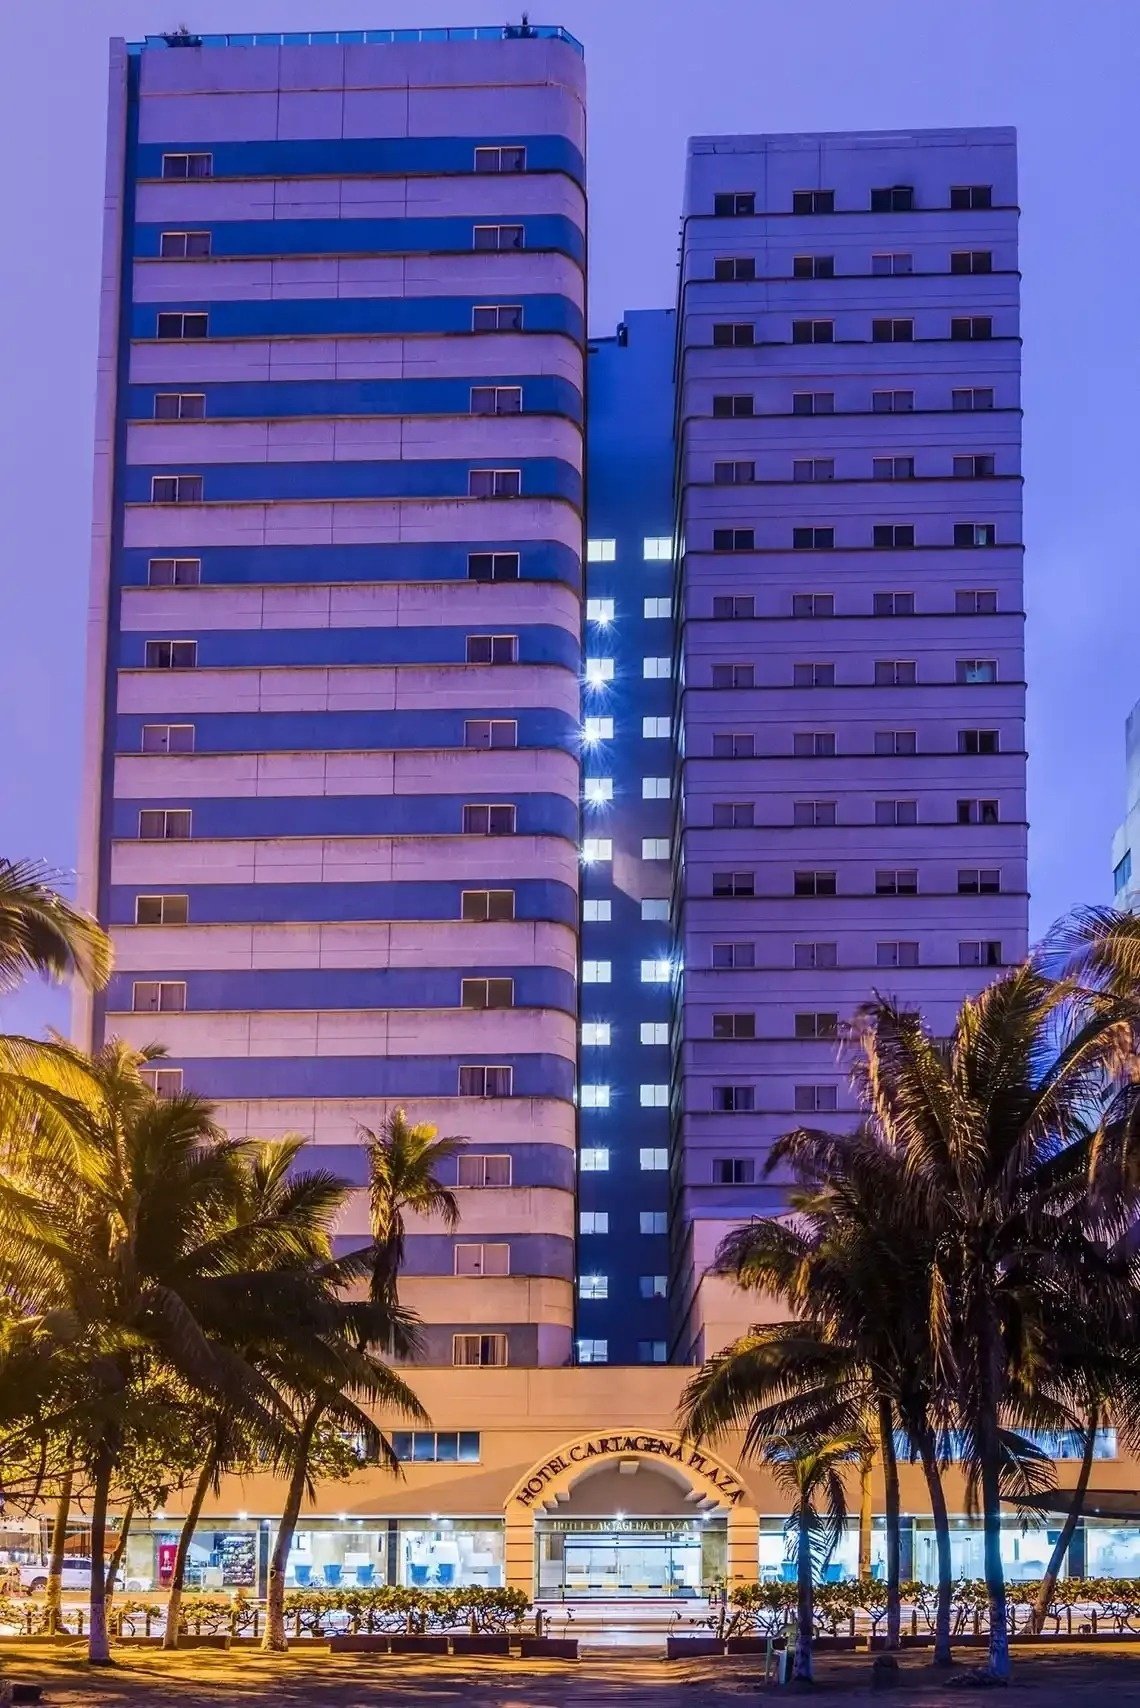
(1066, 76)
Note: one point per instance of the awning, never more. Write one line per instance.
(1098, 1503)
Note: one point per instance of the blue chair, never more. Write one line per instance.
(787, 1571)
(445, 1574)
(333, 1575)
(418, 1575)
(302, 1576)
(365, 1576)
(831, 1574)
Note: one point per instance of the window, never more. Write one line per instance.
(975, 602)
(734, 1026)
(150, 996)
(814, 957)
(813, 266)
(902, 881)
(655, 907)
(733, 1171)
(895, 673)
(813, 744)
(975, 534)
(895, 743)
(892, 402)
(492, 649)
(815, 1099)
(733, 675)
(979, 881)
(594, 1096)
(485, 1349)
(655, 848)
(174, 572)
(162, 910)
(985, 953)
(656, 669)
(734, 474)
(733, 334)
(813, 331)
(596, 1033)
(482, 1259)
(485, 1081)
(734, 883)
(892, 331)
(971, 195)
(179, 406)
(813, 539)
(733, 540)
(814, 815)
(892, 468)
(438, 1447)
(655, 729)
(598, 729)
(655, 788)
(168, 738)
(813, 403)
(813, 604)
(184, 245)
(490, 732)
(972, 397)
(487, 993)
(497, 237)
(896, 954)
(977, 812)
(176, 489)
(897, 198)
(481, 906)
(651, 1351)
(813, 883)
(597, 848)
(733, 404)
(813, 675)
(164, 824)
(478, 1173)
(653, 1222)
(496, 399)
(816, 1025)
(977, 741)
(493, 566)
(733, 744)
(813, 468)
(973, 670)
(596, 972)
(596, 912)
(593, 1351)
(653, 1160)
(1122, 872)
(187, 166)
(511, 158)
(733, 815)
(593, 1159)
(488, 819)
(657, 548)
(652, 1286)
(813, 201)
(182, 326)
(598, 790)
(653, 1096)
(654, 1032)
(653, 608)
(164, 1082)
(977, 467)
(889, 264)
(732, 957)
(971, 261)
(599, 671)
(497, 317)
(727, 268)
(971, 326)
(494, 483)
(892, 535)
(732, 204)
(893, 604)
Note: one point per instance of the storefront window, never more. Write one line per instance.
(1112, 1551)
(1024, 1552)
(777, 1555)
(628, 1556)
(339, 1556)
(445, 1553)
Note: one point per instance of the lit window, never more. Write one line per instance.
(593, 1287)
(597, 848)
(597, 972)
(593, 1222)
(658, 608)
(655, 788)
(654, 669)
(598, 671)
(481, 1171)
(593, 1351)
(655, 1031)
(164, 1082)
(598, 729)
(596, 912)
(595, 1097)
(655, 729)
(482, 1259)
(654, 1096)
(468, 1349)
(599, 610)
(149, 996)
(601, 551)
(655, 848)
(597, 790)
(655, 972)
(654, 907)
(653, 1161)
(593, 1160)
(595, 1031)
(657, 548)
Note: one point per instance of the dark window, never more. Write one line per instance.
(977, 812)
(971, 326)
(813, 604)
(813, 744)
(487, 993)
(975, 602)
(813, 266)
(729, 957)
(171, 654)
(892, 331)
(733, 1171)
(733, 404)
(734, 884)
(815, 1099)
(182, 326)
(734, 267)
(893, 534)
(895, 673)
(734, 474)
(814, 815)
(443, 1447)
(733, 333)
(971, 261)
(176, 489)
(490, 732)
(496, 399)
(978, 741)
(483, 905)
(813, 675)
(986, 953)
(975, 534)
(971, 671)
(184, 245)
(179, 406)
(511, 158)
(893, 604)
(816, 1025)
(732, 204)
(158, 824)
(813, 539)
(813, 883)
(187, 166)
(492, 649)
(734, 1025)
(167, 738)
(813, 403)
(813, 331)
(895, 743)
(896, 198)
(896, 882)
(485, 1082)
(494, 483)
(488, 820)
(979, 881)
(733, 744)
(733, 540)
(813, 201)
(151, 996)
(493, 566)
(813, 468)
(811, 957)
(972, 397)
(728, 605)
(733, 675)
(734, 1099)
(892, 468)
(162, 910)
(971, 196)
(892, 402)
(896, 812)
(733, 815)
(892, 265)
(497, 317)
(976, 467)
(896, 954)
(174, 572)
(497, 237)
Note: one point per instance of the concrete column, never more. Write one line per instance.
(741, 1560)
(518, 1549)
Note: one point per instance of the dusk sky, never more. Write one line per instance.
(659, 70)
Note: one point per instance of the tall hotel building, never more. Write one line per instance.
(565, 780)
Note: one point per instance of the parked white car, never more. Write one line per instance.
(76, 1575)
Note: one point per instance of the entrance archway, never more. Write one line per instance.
(626, 1514)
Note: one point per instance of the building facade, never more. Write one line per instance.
(555, 740)
(1127, 836)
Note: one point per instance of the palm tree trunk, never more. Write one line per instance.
(54, 1607)
(182, 1552)
(1076, 1507)
(120, 1551)
(942, 1654)
(275, 1640)
(988, 1453)
(98, 1644)
(866, 1465)
(891, 1510)
(805, 1600)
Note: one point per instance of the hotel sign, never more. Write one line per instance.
(617, 1446)
(620, 1526)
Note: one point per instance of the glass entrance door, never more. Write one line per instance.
(599, 1562)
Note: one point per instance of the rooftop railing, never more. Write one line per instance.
(363, 38)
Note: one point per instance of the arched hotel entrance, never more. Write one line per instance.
(628, 1516)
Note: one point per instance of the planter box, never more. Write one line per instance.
(549, 1648)
(692, 1648)
(484, 1643)
(835, 1645)
(747, 1646)
(26, 1692)
(362, 1643)
(418, 1645)
(214, 1641)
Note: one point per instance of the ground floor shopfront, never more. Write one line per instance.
(568, 1485)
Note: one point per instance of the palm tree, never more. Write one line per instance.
(41, 932)
(810, 1472)
(403, 1176)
